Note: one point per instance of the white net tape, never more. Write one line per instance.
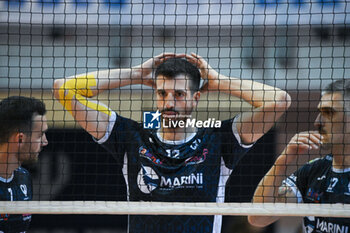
(178, 208)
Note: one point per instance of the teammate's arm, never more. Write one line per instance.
(75, 92)
(270, 189)
(269, 102)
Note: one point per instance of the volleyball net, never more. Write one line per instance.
(297, 46)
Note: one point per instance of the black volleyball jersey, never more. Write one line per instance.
(16, 188)
(319, 182)
(193, 170)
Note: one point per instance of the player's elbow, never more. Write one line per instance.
(282, 101)
(56, 87)
(257, 221)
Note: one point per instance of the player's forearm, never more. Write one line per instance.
(81, 88)
(257, 94)
(262, 221)
(264, 193)
(115, 78)
(267, 192)
(92, 83)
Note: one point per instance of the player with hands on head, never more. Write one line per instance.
(173, 164)
(22, 136)
(323, 180)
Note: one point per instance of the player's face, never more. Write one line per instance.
(174, 97)
(33, 143)
(332, 122)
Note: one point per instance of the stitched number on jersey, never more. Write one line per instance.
(195, 144)
(333, 183)
(11, 193)
(173, 153)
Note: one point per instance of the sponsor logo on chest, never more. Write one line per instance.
(329, 227)
(148, 180)
(195, 179)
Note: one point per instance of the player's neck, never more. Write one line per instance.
(341, 156)
(7, 169)
(8, 162)
(176, 134)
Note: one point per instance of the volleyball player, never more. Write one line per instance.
(325, 180)
(173, 163)
(22, 136)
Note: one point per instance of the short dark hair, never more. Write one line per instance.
(342, 86)
(16, 115)
(176, 66)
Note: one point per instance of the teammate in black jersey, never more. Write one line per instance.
(22, 136)
(323, 180)
(173, 163)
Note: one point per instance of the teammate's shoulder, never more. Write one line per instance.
(22, 170)
(320, 161)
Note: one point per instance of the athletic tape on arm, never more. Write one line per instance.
(80, 88)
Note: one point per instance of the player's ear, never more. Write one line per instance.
(196, 96)
(19, 137)
(347, 124)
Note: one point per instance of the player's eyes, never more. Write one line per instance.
(328, 112)
(180, 94)
(161, 93)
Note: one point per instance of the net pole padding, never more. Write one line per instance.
(174, 208)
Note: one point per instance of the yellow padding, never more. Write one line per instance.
(66, 99)
(80, 87)
(93, 105)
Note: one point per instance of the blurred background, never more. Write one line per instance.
(296, 45)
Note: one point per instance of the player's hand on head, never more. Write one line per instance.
(205, 69)
(210, 76)
(146, 69)
(302, 143)
(149, 81)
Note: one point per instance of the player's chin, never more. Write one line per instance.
(326, 144)
(33, 158)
